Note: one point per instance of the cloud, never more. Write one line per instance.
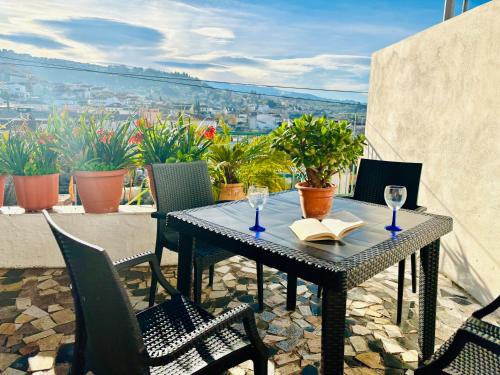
(33, 39)
(215, 33)
(189, 65)
(106, 33)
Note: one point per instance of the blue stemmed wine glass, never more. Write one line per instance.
(257, 198)
(395, 197)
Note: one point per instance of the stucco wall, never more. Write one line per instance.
(435, 98)
(26, 239)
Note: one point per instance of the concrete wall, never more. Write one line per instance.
(26, 240)
(435, 98)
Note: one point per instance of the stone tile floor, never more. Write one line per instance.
(37, 319)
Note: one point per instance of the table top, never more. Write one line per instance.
(361, 254)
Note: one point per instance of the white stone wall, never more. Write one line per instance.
(26, 239)
(435, 98)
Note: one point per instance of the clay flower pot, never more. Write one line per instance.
(36, 193)
(231, 192)
(2, 189)
(100, 192)
(315, 202)
(152, 187)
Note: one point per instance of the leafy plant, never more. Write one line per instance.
(28, 153)
(251, 161)
(96, 143)
(193, 141)
(320, 146)
(156, 140)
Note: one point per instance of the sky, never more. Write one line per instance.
(311, 43)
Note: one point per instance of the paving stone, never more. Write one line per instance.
(7, 328)
(42, 361)
(23, 303)
(6, 360)
(392, 331)
(391, 346)
(44, 323)
(360, 330)
(371, 360)
(285, 358)
(35, 312)
(50, 342)
(410, 356)
(38, 336)
(47, 284)
(63, 316)
(359, 343)
(12, 371)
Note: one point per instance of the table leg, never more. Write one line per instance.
(185, 264)
(332, 331)
(429, 266)
(291, 292)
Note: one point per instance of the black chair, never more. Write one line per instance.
(474, 349)
(180, 186)
(373, 177)
(174, 337)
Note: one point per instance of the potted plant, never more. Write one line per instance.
(4, 136)
(250, 161)
(166, 141)
(32, 159)
(320, 147)
(107, 150)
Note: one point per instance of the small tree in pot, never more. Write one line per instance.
(320, 147)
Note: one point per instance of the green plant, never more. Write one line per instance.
(157, 141)
(28, 153)
(193, 141)
(99, 144)
(250, 161)
(320, 146)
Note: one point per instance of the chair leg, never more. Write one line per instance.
(260, 285)
(401, 286)
(414, 273)
(291, 292)
(198, 276)
(154, 282)
(259, 365)
(211, 273)
(320, 288)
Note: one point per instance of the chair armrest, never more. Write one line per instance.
(481, 313)
(149, 257)
(457, 344)
(420, 209)
(159, 215)
(242, 313)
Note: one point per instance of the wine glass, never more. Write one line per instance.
(395, 197)
(257, 198)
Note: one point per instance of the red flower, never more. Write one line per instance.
(210, 132)
(138, 122)
(105, 135)
(136, 139)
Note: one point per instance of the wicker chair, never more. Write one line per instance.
(474, 349)
(180, 186)
(174, 337)
(373, 177)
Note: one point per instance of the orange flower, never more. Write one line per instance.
(210, 132)
(136, 139)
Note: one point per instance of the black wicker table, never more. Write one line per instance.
(337, 265)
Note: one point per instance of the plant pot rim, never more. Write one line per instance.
(35, 175)
(304, 186)
(115, 172)
(232, 184)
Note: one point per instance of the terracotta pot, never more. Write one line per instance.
(2, 189)
(315, 202)
(231, 192)
(152, 187)
(100, 192)
(36, 193)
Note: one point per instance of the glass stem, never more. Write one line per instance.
(257, 218)
(394, 217)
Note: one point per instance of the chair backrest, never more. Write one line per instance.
(375, 175)
(180, 186)
(104, 315)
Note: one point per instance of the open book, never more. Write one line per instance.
(333, 228)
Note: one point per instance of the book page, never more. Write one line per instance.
(342, 222)
(307, 229)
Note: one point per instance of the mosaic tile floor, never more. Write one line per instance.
(37, 319)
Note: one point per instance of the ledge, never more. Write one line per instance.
(125, 209)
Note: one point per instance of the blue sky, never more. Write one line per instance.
(312, 43)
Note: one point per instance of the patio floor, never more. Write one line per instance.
(37, 320)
